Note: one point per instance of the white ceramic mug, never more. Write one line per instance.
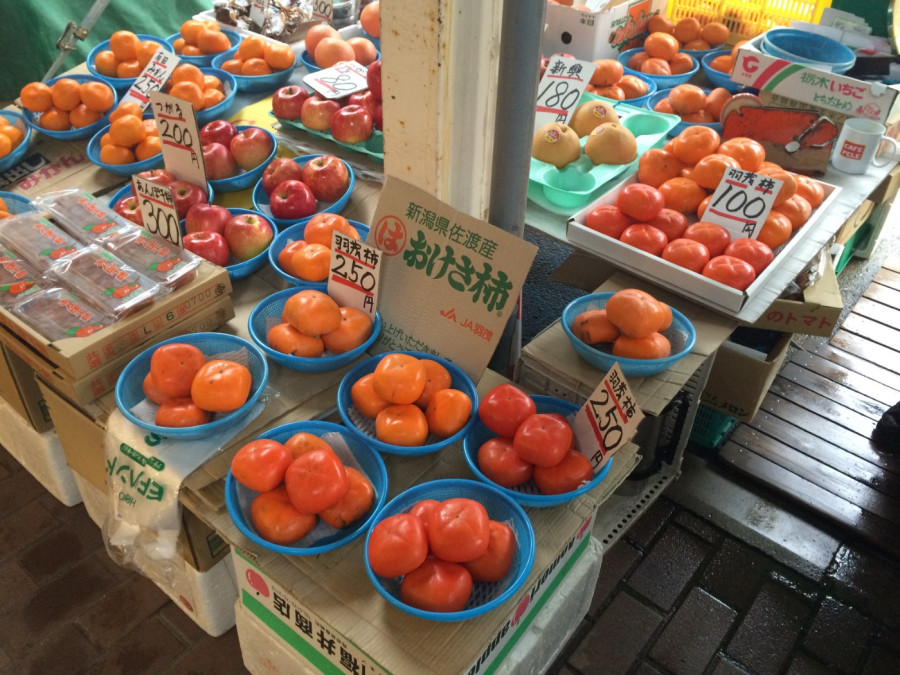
(857, 144)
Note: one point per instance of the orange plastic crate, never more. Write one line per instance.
(748, 18)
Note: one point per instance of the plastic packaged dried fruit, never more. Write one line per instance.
(58, 313)
(17, 278)
(155, 257)
(36, 240)
(83, 216)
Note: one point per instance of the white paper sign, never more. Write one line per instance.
(608, 419)
(343, 79)
(354, 273)
(560, 89)
(181, 148)
(323, 10)
(157, 208)
(742, 201)
(152, 77)
(259, 12)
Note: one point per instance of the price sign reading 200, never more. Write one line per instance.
(175, 132)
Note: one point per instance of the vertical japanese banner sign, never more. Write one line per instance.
(608, 419)
(353, 273)
(742, 201)
(449, 282)
(157, 208)
(560, 89)
(152, 77)
(181, 148)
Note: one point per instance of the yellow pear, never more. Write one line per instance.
(590, 115)
(610, 143)
(556, 144)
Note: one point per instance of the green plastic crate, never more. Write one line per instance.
(711, 427)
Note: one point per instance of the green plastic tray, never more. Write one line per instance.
(374, 147)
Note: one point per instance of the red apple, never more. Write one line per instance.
(251, 147)
(219, 162)
(364, 98)
(377, 118)
(186, 195)
(129, 208)
(287, 101)
(206, 218)
(217, 131)
(316, 112)
(352, 124)
(327, 176)
(211, 246)
(161, 176)
(292, 200)
(373, 78)
(248, 235)
(279, 170)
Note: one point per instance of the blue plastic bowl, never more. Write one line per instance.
(485, 596)
(233, 37)
(716, 77)
(242, 269)
(16, 203)
(255, 84)
(324, 537)
(261, 199)
(528, 494)
(651, 89)
(33, 119)
(246, 179)
(93, 153)
(662, 81)
(17, 153)
(129, 391)
(698, 54)
(220, 110)
(294, 233)
(808, 48)
(365, 427)
(268, 313)
(681, 334)
(120, 84)
(681, 126)
(310, 65)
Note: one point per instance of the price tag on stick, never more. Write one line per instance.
(343, 79)
(560, 89)
(157, 208)
(181, 148)
(742, 202)
(354, 273)
(607, 420)
(152, 77)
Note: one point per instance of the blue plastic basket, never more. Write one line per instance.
(18, 153)
(246, 179)
(221, 109)
(365, 427)
(323, 538)
(698, 54)
(261, 199)
(16, 203)
(681, 126)
(811, 49)
(485, 596)
(206, 60)
(662, 81)
(527, 494)
(33, 119)
(255, 84)
(716, 77)
(242, 269)
(295, 233)
(130, 393)
(307, 61)
(126, 191)
(120, 84)
(651, 89)
(93, 153)
(268, 313)
(681, 334)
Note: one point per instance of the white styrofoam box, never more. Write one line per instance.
(41, 454)
(95, 501)
(264, 651)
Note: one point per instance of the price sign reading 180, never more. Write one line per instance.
(742, 201)
(560, 90)
(343, 79)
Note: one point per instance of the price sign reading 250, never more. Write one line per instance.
(742, 202)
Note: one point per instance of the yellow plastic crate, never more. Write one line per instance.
(748, 18)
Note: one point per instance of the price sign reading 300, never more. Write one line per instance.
(157, 208)
(742, 202)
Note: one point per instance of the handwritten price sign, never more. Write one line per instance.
(355, 269)
(742, 202)
(608, 420)
(338, 81)
(157, 208)
(181, 148)
(323, 10)
(560, 89)
(152, 77)
(259, 12)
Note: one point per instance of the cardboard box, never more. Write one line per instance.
(19, 389)
(79, 357)
(609, 28)
(816, 314)
(740, 377)
(747, 305)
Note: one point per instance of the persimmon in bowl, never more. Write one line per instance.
(680, 334)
